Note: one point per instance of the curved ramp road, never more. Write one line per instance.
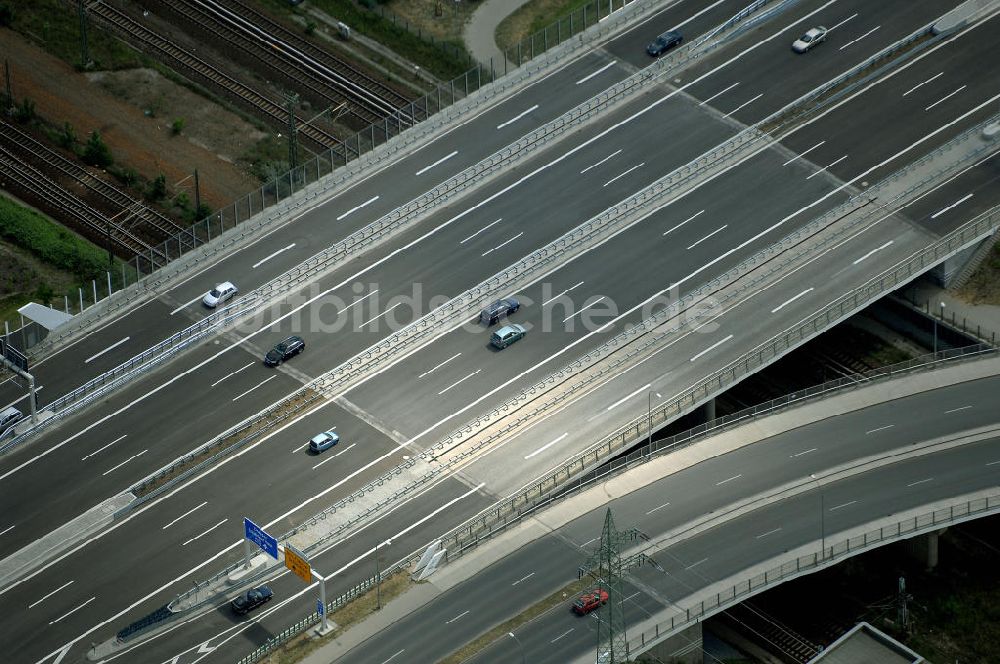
(188, 534)
(527, 574)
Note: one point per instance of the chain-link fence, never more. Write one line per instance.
(745, 141)
(411, 127)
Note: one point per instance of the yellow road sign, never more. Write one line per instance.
(296, 562)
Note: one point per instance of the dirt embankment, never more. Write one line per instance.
(134, 110)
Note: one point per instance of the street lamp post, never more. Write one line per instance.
(649, 415)
(378, 576)
(935, 331)
(519, 646)
(822, 517)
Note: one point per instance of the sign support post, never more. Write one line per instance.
(325, 627)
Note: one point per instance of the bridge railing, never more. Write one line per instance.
(498, 518)
(354, 156)
(466, 537)
(823, 557)
(398, 218)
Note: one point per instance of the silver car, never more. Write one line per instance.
(323, 441)
(812, 37)
(221, 293)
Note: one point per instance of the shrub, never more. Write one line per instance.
(96, 152)
(177, 126)
(50, 242)
(127, 176)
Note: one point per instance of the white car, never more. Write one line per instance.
(812, 37)
(221, 293)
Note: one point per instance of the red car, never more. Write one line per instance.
(590, 600)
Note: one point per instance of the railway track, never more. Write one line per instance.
(279, 58)
(156, 226)
(201, 71)
(63, 204)
(347, 79)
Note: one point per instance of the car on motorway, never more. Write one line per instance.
(812, 37)
(492, 314)
(251, 599)
(323, 441)
(9, 419)
(590, 600)
(290, 347)
(220, 294)
(507, 335)
(664, 43)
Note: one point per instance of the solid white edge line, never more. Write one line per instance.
(712, 347)
(436, 163)
(599, 71)
(108, 349)
(267, 258)
(546, 446)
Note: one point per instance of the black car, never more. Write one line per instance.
(664, 43)
(499, 309)
(251, 600)
(286, 349)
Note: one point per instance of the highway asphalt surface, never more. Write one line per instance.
(436, 277)
(348, 210)
(352, 208)
(185, 413)
(544, 566)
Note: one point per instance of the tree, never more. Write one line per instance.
(25, 111)
(96, 152)
(201, 212)
(157, 190)
(44, 292)
(6, 15)
(67, 137)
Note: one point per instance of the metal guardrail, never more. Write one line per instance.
(834, 553)
(313, 618)
(750, 362)
(618, 466)
(617, 440)
(497, 519)
(390, 223)
(256, 425)
(370, 156)
(809, 229)
(378, 231)
(573, 476)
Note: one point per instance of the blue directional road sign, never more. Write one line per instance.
(256, 534)
(319, 607)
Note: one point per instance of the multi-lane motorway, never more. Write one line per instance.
(187, 534)
(549, 563)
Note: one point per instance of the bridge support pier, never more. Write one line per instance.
(682, 648)
(924, 548)
(708, 410)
